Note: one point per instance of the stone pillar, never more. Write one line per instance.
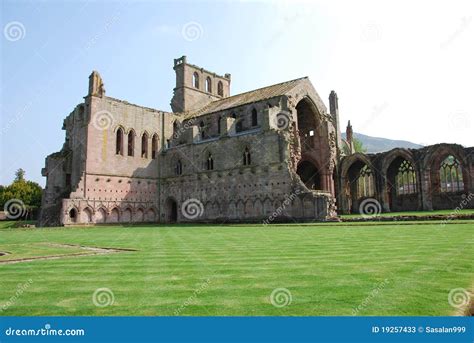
(425, 190)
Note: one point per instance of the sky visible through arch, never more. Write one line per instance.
(402, 69)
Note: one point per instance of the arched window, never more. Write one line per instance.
(154, 146)
(254, 117)
(73, 215)
(119, 142)
(246, 156)
(208, 85)
(220, 88)
(178, 169)
(175, 129)
(196, 80)
(210, 162)
(145, 145)
(406, 179)
(365, 182)
(450, 175)
(239, 126)
(202, 129)
(131, 143)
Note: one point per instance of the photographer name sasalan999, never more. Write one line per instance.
(420, 329)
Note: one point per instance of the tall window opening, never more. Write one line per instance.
(178, 168)
(131, 143)
(202, 129)
(196, 80)
(365, 182)
(154, 146)
(145, 145)
(254, 117)
(406, 179)
(450, 174)
(119, 142)
(210, 162)
(247, 157)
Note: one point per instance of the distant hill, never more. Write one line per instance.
(377, 144)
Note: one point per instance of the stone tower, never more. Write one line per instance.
(196, 87)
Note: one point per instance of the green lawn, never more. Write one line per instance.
(416, 213)
(329, 269)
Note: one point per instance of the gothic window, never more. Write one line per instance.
(119, 142)
(450, 174)
(131, 143)
(196, 80)
(406, 179)
(365, 182)
(254, 117)
(246, 156)
(220, 88)
(178, 168)
(73, 214)
(154, 146)
(208, 85)
(145, 145)
(239, 125)
(210, 162)
(202, 130)
(175, 130)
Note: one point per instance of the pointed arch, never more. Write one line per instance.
(86, 215)
(208, 85)
(126, 215)
(254, 117)
(100, 215)
(144, 153)
(150, 215)
(131, 143)
(178, 170)
(73, 214)
(114, 216)
(119, 141)
(220, 88)
(247, 158)
(154, 146)
(196, 80)
(209, 162)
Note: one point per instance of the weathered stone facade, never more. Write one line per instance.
(272, 154)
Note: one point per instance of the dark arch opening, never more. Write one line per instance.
(171, 210)
(309, 174)
(402, 188)
(360, 184)
(307, 125)
(73, 215)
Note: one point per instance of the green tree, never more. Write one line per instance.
(22, 192)
(358, 146)
(20, 175)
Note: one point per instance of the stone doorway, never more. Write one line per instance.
(171, 210)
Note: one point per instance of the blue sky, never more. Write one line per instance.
(402, 70)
